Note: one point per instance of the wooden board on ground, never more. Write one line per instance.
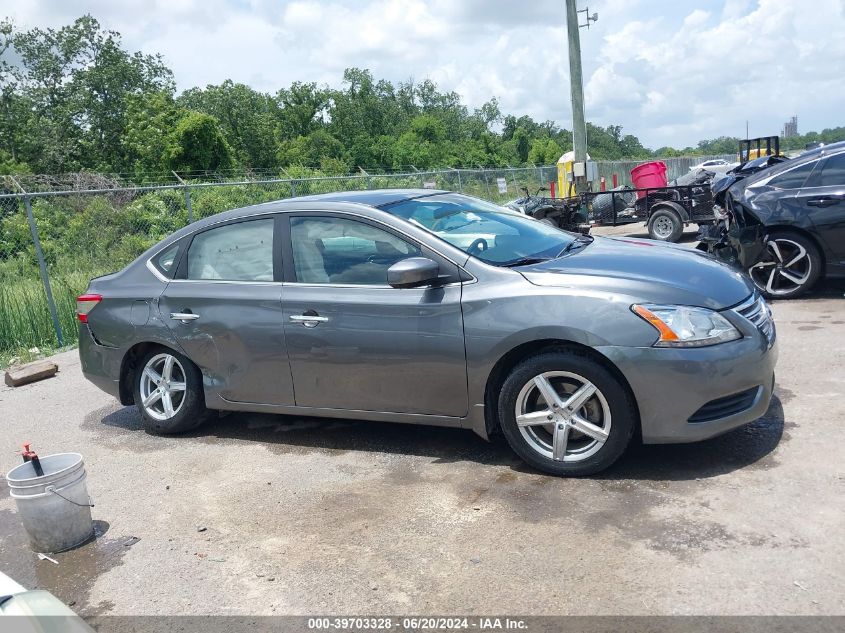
(24, 374)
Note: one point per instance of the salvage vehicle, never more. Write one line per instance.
(435, 308)
(720, 185)
(785, 224)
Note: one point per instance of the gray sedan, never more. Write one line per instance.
(431, 307)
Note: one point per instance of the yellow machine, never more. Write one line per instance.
(566, 176)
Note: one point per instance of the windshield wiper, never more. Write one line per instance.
(579, 241)
(524, 261)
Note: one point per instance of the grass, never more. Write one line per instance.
(25, 320)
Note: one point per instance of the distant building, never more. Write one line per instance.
(790, 128)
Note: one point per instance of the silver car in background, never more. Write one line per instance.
(431, 307)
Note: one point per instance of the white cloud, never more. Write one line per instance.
(759, 61)
(670, 72)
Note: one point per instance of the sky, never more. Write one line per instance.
(672, 72)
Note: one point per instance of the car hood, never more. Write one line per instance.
(647, 270)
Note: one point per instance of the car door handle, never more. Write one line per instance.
(823, 202)
(308, 320)
(184, 317)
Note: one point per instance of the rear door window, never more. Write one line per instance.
(167, 259)
(793, 178)
(234, 252)
(832, 172)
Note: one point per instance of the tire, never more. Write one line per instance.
(793, 268)
(665, 225)
(541, 215)
(610, 410)
(187, 404)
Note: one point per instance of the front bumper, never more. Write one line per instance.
(100, 363)
(672, 385)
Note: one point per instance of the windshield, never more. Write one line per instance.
(484, 230)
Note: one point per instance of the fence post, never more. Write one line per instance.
(486, 182)
(187, 197)
(460, 184)
(42, 265)
(188, 204)
(513, 179)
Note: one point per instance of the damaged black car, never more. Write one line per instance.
(785, 224)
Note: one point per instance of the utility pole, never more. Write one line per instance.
(576, 85)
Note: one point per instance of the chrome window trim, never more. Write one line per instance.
(374, 286)
(227, 281)
(273, 214)
(155, 271)
(270, 215)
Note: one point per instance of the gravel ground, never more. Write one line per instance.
(260, 514)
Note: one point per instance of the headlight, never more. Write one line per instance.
(685, 326)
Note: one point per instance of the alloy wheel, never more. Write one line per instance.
(563, 416)
(162, 386)
(790, 268)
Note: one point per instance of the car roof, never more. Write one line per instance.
(371, 197)
(823, 150)
(787, 165)
(377, 198)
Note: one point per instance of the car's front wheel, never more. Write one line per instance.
(793, 266)
(566, 414)
(169, 393)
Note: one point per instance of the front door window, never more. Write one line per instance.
(329, 250)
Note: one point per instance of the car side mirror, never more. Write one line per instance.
(413, 272)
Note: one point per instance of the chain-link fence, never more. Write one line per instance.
(675, 167)
(56, 233)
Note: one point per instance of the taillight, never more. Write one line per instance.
(84, 305)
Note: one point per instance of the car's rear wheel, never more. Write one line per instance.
(793, 266)
(665, 225)
(566, 414)
(168, 392)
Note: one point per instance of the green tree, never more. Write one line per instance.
(75, 82)
(668, 152)
(310, 150)
(544, 151)
(300, 109)
(149, 122)
(247, 118)
(197, 144)
(13, 108)
(423, 145)
(720, 145)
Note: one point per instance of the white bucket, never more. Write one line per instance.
(55, 508)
